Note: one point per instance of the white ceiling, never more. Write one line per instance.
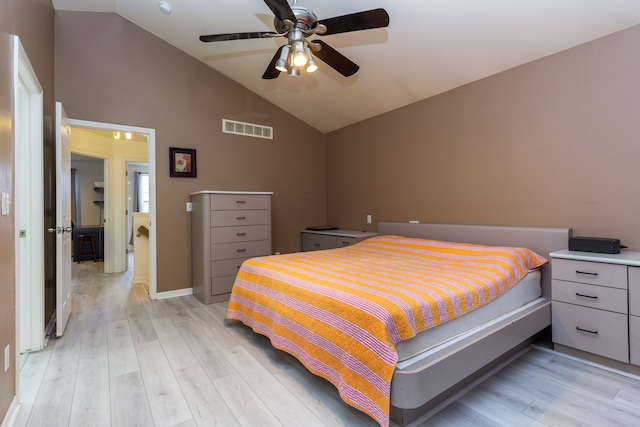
(430, 46)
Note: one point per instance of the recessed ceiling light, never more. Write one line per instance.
(164, 7)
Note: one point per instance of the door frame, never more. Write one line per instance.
(110, 237)
(29, 198)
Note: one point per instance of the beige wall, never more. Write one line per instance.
(552, 143)
(109, 70)
(32, 20)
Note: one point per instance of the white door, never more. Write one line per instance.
(29, 185)
(63, 220)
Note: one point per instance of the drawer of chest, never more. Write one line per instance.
(226, 267)
(342, 241)
(634, 291)
(594, 331)
(220, 251)
(316, 242)
(634, 340)
(239, 233)
(239, 201)
(238, 217)
(595, 273)
(222, 285)
(603, 298)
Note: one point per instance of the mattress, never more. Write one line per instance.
(523, 292)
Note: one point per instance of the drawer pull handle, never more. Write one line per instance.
(240, 218)
(241, 202)
(586, 330)
(578, 294)
(241, 234)
(345, 243)
(586, 272)
(316, 244)
(241, 251)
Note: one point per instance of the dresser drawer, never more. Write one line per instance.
(594, 331)
(342, 241)
(220, 251)
(316, 242)
(239, 233)
(239, 201)
(226, 267)
(234, 218)
(595, 273)
(222, 285)
(594, 296)
(634, 340)
(634, 291)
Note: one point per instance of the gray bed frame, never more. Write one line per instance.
(429, 381)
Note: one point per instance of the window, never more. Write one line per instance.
(143, 192)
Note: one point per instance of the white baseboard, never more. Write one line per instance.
(174, 294)
(11, 416)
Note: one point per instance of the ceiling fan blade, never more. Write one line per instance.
(335, 59)
(271, 72)
(235, 36)
(376, 18)
(281, 10)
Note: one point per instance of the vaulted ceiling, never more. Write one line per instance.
(429, 47)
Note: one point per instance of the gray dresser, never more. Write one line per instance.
(227, 228)
(313, 240)
(596, 305)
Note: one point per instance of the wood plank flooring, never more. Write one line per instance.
(127, 361)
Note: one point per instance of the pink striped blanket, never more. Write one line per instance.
(342, 311)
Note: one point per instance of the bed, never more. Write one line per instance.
(349, 315)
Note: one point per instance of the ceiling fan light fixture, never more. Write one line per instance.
(282, 62)
(299, 57)
(312, 65)
(293, 71)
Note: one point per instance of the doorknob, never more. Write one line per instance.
(60, 230)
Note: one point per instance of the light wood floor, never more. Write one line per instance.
(127, 361)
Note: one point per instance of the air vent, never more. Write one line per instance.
(247, 129)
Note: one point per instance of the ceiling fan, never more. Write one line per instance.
(296, 23)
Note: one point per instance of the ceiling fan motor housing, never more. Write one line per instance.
(305, 17)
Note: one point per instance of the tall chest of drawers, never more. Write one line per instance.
(596, 303)
(227, 228)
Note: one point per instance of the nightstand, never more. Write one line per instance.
(596, 303)
(330, 239)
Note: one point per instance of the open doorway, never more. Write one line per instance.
(87, 207)
(117, 146)
(138, 222)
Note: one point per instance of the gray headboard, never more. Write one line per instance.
(539, 239)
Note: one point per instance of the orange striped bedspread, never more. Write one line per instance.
(342, 311)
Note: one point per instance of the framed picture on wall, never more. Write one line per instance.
(182, 162)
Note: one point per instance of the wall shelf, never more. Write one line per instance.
(99, 203)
